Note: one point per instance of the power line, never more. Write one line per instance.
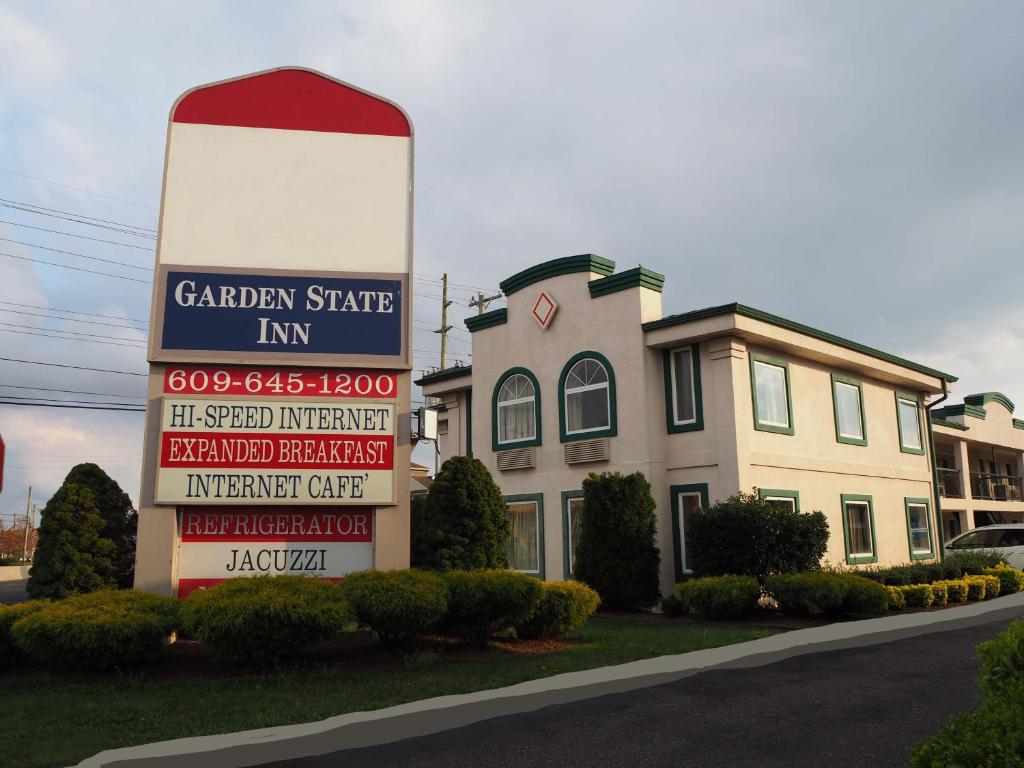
(78, 218)
(80, 407)
(33, 400)
(71, 338)
(77, 269)
(71, 391)
(74, 312)
(75, 234)
(75, 333)
(75, 253)
(76, 367)
(23, 313)
(78, 189)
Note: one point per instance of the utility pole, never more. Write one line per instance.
(28, 513)
(481, 302)
(443, 330)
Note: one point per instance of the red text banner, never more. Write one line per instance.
(279, 382)
(295, 525)
(276, 451)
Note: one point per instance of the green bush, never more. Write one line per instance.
(954, 566)
(743, 535)
(991, 736)
(9, 614)
(464, 522)
(483, 603)
(814, 594)
(917, 595)
(563, 609)
(940, 596)
(956, 590)
(896, 600)
(864, 597)
(1002, 662)
(1011, 580)
(974, 562)
(99, 630)
(396, 605)
(671, 606)
(719, 597)
(264, 620)
(616, 553)
(975, 587)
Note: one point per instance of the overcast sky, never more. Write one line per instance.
(858, 167)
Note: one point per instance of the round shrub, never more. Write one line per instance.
(1002, 663)
(956, 590)
(563, 609)
(806, 594)
(940, 595)
(917, 595)
(975, 587)
(992, 585)
(264, 620)
(396, 605)
(991, 735)
(98, 631)
(719, 597)
(895, 598)
(9, 614)
(482, 603)
(862, 597)
(1011, 580)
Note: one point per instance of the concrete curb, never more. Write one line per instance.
(421, 718)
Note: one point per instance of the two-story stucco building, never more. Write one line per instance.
(582, 373)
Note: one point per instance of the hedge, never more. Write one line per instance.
(98, 631)
(719, 597)
(485, 602)
(563, 609)
(396, 605)
(918, 595)
(815, 594)
(1011, 580)
(264, 620)
(956, 590)
(9, 614)
(954, 566)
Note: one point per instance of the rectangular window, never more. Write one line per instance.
(524, 550)
(689, 503)
(909, 424)
(771, 395)
(859, 527)
(848, 401)
(784, 499)
(919, 529)
(685, 405)
(573, 517)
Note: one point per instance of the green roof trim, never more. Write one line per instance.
(1018, 424)
(781, 322)
(444, 375)
(639, 277)
(487, 320)
(984, 398)
(962, 409)
(940, 422)
(585, 262)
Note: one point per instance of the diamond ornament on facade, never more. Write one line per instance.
(544, 309)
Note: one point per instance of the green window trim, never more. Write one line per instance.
(566, 496)
(668, 369)
(674, 492)
(899, 427)
(612, 429)
(469, 424)
(539, 499)
(908, 502)
(778, 493)
(536, 439)
(756, 357)
(837, 379)
(859, 559)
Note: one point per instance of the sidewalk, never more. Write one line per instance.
(420, 718)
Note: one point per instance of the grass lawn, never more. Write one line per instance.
(61, 719)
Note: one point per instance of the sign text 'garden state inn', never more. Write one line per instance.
(222, 544)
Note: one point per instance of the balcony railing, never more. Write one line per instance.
(996, 487)
(949, 483)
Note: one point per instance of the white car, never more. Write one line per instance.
(1006, 539)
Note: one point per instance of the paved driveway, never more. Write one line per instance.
(844, 708)
(13, 591)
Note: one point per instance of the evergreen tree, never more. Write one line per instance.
(464, 523)
(72, 556)
(120, 520)
(616, 553)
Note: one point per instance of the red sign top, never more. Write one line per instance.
(293, 99)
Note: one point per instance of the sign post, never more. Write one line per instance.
(278, 410)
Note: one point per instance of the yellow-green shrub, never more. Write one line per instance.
(975, 587)
(719, 597)
(396, 605)
(98, 630)
(484, 602)
(896, 600)
(939, 594)
(563, 609)
(1011, 580)
(956, 590)
(917, 595)
(9, 614)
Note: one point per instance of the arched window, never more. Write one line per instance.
(516, 409)
(587, 397)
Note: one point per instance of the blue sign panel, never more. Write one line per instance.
(278, 313)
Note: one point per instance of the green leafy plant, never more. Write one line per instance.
(814, 594)
(562, 610)
(1011, 580)
(956, 590)
(917, 595)
(464, 523)
(264, 620)
(940, 594)
(483, 603)
(719, 597)
(616, 553)
(98, 631)
(396, 605)
(9, 614)
(745, 536)
(895, 598)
